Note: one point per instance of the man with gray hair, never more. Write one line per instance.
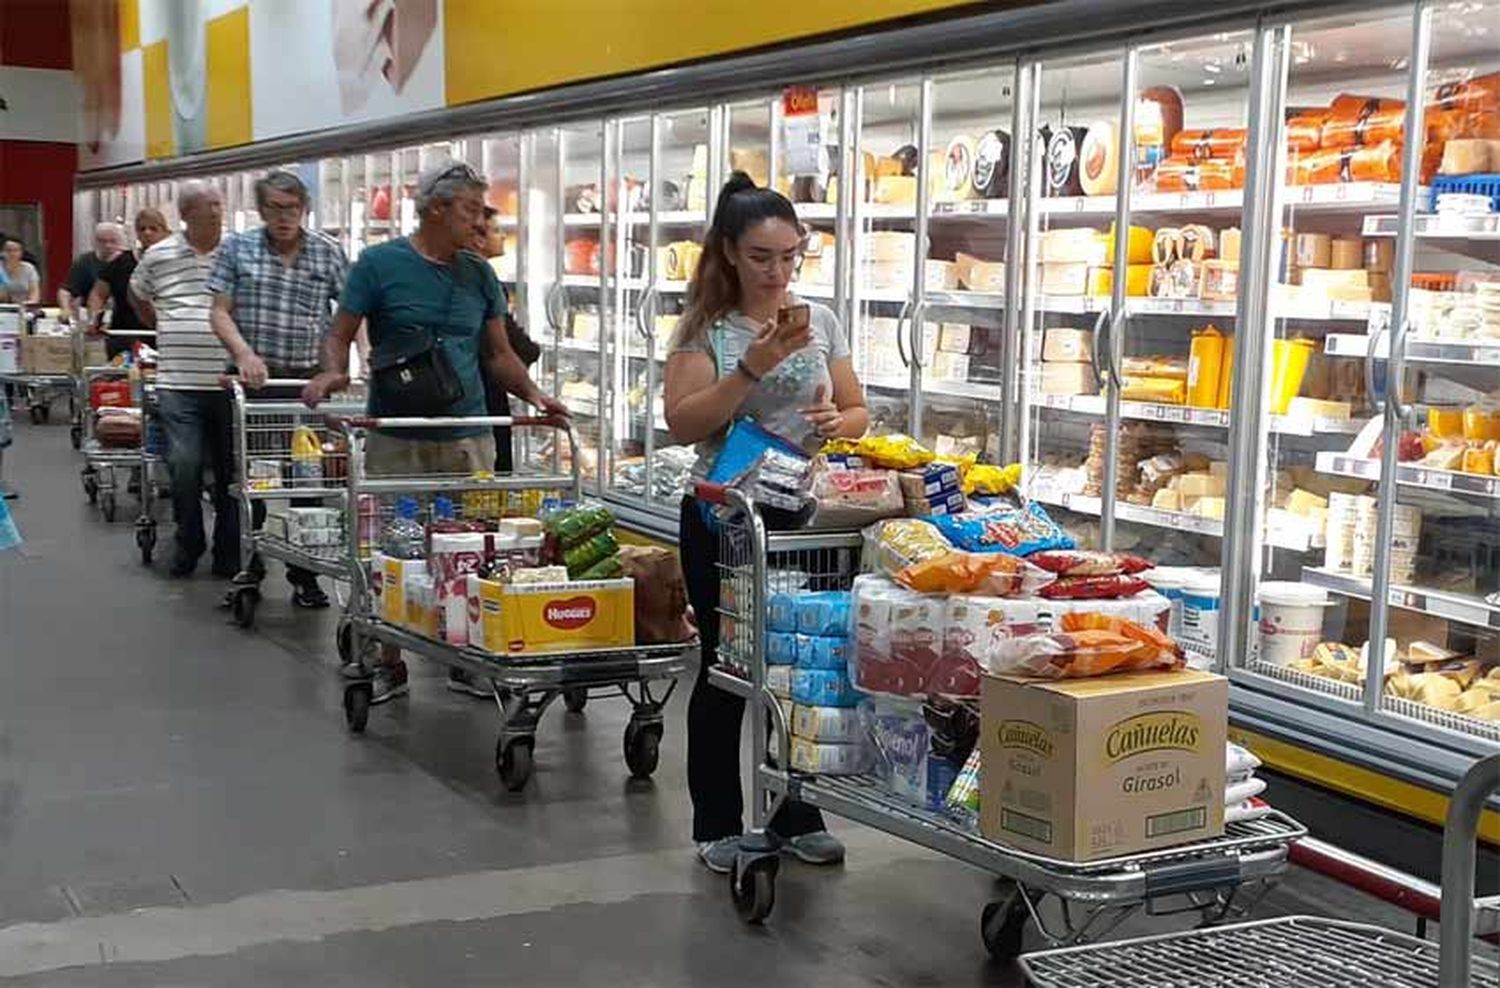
(109, 241)
(169, 287)
(427, 293)
(274, 291)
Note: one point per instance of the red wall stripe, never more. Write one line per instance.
(34, 34)
(37, 172)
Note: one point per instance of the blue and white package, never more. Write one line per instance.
(902, 740)
(781, 648)
(822, 652)
(823, 613)
(1018, 531)
(823, 688)
(781, 611)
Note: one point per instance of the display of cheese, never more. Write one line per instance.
(978, 275)
(1067, 379)
(1099, 169)
(1063, 161)
(1077, 245)
(991, 167)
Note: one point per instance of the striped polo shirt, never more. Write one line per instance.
(173, 277)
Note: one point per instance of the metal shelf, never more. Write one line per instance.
(1438, 226)
(1175, 520)
(962, 299)
(1410, 475)
(1484, 353)
(1210, 418)
(1462, 608)
(975, 390)
(1339, 196)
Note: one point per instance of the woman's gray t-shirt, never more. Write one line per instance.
(777, 401)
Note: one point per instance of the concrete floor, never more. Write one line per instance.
(180, 804)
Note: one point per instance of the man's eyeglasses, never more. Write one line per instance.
(283, 208)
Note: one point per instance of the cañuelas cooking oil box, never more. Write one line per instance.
(1083, 769)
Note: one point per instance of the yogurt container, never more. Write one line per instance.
(1200, 613)
(1289, 620)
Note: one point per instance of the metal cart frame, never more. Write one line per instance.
(100, 464)
(1215, 878)
(1305, 951)
(243, 597)
(41, 390)
(524, 685)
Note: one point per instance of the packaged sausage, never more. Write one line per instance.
(1093, 587)
(1080, 562)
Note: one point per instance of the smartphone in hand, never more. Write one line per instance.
(792, 319)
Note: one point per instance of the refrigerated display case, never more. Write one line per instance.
(1280, 377)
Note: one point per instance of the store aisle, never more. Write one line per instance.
(180, 804)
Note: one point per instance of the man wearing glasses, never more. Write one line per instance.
(424, 293)
(274, 292)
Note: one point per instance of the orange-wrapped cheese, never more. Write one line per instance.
(1358, 121)
(1222, 142)
(1304, 132)
(1180, 173)
(1381, 163)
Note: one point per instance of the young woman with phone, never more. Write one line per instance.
(745, 346)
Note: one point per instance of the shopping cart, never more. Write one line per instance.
(1310, 952)
(102, 461)
(1066, 902)
(268, 470)
(524, 684)
(39, 391)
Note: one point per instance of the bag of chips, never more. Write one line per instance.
(1086, 644)
(1080, 562)
(991, 574)
(985, 478)
(1019, 531)
(893, 545)
(894, 451)
(1093, 587)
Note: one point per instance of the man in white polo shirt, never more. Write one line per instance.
(171, 285)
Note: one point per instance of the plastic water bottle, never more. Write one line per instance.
(405, 537)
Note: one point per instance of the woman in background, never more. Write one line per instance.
(19, 281)
(732, 357)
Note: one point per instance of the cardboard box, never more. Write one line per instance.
(388, 577)
(47, 354)
(1068, 345)
(1068, 379)
(551, 617)
(1084, 769)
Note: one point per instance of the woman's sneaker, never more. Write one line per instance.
(817, 848)
(718, 855)
(389, 682)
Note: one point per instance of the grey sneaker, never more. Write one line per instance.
(460, 681)
(389, 682)
(817, 848)
(718, 855)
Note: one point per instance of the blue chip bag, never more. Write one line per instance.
(821, 652)
(1017, 531)
(781, 648)
(781, 612)
(823, 613)
(823, 688)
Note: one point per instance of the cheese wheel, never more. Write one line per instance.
(909, 156)
(1466, 157)
(1099, 167)
(1347, 254)
(992, 165)
(1063, 160)
(1312, 250)
(1380, 255)
(958, 167)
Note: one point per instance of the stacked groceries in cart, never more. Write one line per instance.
(507, 572)
(984, 668)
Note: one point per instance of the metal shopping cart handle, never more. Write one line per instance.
(229, 380)
(1460, 851)
(347, 422)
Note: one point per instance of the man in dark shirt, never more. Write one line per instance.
(109, 241)
(113, 285)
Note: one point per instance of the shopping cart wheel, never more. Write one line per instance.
(1003, 924)
(107, 505)
(642, 747)
(242, 605)
(145, 538)
(752, 885)
(91, 486)
(357, 706)
(576, 700)
(513, 761)
(75, 435)
(345, 639)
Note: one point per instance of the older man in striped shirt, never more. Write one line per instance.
(170, 286)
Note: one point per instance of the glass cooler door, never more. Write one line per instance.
(581, 304)
(966, 179)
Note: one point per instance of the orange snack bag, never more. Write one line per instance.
(1152, 642)
(990, 574)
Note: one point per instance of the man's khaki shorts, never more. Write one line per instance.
(399, 456)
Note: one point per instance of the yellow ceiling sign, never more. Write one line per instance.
(501, 47)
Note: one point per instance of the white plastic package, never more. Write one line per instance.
(829, 759)
(827, 725)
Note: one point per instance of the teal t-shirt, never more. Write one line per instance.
(399, 293)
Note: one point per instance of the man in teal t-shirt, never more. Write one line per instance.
(412, 292)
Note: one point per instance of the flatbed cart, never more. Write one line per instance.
(266, 470)
(1215, 878)
(523, 684)
(1307, 951)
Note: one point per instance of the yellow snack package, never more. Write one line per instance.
(986, 478)
(893, 452)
